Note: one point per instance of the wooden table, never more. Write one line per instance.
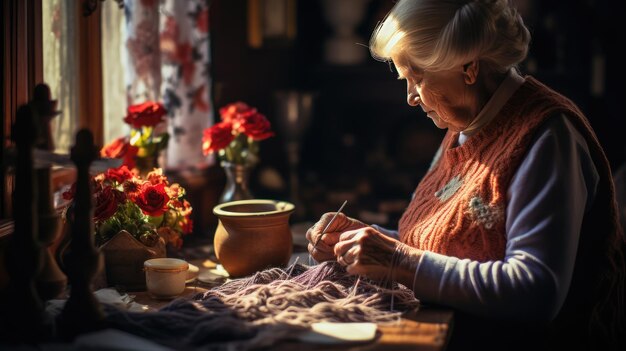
(428, 328)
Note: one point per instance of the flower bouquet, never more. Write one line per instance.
(134, 219)
(235, 140)
(141, 149)
(148, 209)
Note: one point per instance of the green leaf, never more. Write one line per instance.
(164, 140)
(155, 220)
(253, 146)
(135, 137)
(109, 228)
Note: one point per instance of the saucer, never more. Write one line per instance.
(192, 273)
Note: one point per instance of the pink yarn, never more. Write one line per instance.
(271, 305)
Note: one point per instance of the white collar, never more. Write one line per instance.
(505, 90)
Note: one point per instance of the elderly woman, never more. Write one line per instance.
(515, 222)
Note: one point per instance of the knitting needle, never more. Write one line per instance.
(329, 223)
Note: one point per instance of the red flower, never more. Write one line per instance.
(107, 201)
(241, 123)
(119, 175)
(147, 114)
(187, 225)
(129, 156)
(254, 125)
(115, 149)
(232, 112)
(182, 207)
(132, 188)
(121, 148)
(156, 177)
(175, 191)
(217, 137)
(153, 199)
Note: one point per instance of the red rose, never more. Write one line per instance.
(217, 137)
(153, 199)
(121, 148)
(147, 114)
(232, 112)
(118, 175)
(107, 201)
(115, 149)
(254, 125)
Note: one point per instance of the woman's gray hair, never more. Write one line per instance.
(442, 34)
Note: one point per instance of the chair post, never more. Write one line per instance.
(50, 282)
(82, 312)
(22, 311)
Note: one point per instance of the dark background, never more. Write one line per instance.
(365, 144)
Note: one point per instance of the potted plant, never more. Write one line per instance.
(134, 219)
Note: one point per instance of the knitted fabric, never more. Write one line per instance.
(459, 207)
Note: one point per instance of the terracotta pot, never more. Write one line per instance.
(253, 235)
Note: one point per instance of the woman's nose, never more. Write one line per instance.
(412, 98)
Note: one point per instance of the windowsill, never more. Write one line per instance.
(62, 177)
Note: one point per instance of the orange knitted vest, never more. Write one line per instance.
(459, 207)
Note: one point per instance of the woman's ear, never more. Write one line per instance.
(470, 72)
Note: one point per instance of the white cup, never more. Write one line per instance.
(165, 277)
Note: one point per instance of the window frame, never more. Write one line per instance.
(22, 62)
(22, 68)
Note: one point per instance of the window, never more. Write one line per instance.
(54, 37)
(113, 90)
(71, 63)
(60, 66)
(80, 59)
(97, 65)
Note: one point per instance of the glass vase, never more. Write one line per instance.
(236, 182)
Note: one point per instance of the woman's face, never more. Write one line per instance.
(444, 95)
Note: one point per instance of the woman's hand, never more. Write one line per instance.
(366, 251)
(324, 249)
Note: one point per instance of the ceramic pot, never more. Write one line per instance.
(253, 235)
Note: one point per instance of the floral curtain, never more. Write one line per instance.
(168, 59)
